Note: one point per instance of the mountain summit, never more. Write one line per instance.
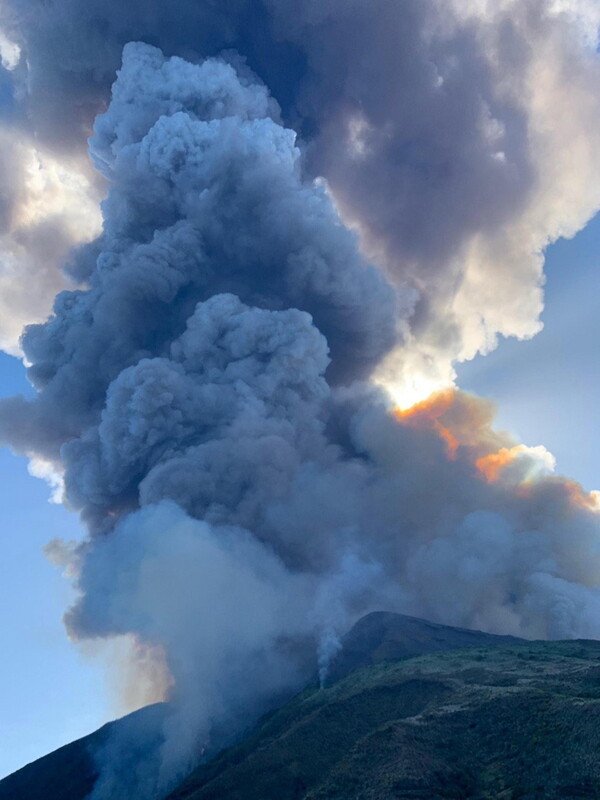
(384, 636)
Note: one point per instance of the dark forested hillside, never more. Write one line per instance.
(516, 721)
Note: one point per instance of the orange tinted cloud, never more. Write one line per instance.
(492, 465)
(426, 415)
(535, 462)
(590, 501)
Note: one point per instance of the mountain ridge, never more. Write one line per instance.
(387, 636)
(401, 668)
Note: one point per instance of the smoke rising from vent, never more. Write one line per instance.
(207, 393)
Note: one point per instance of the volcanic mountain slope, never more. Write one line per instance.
(69, 772)
(515, 721)
(405, 715)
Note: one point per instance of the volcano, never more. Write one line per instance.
(411, 709)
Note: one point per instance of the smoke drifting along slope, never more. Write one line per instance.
(206, 395)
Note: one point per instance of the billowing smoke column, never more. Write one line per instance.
(207, 395)
(244, 493)
(192, 371)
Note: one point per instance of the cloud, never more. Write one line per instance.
(462, 172)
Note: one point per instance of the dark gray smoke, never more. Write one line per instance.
(202, 200)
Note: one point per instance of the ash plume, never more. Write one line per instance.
(433, 122)
(207, 392)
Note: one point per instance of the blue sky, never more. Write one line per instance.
(548, 388)
(548, 392)
(51, 692)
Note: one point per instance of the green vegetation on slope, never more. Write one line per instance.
(515, 721)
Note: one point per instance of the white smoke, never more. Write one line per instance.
(212, 598)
